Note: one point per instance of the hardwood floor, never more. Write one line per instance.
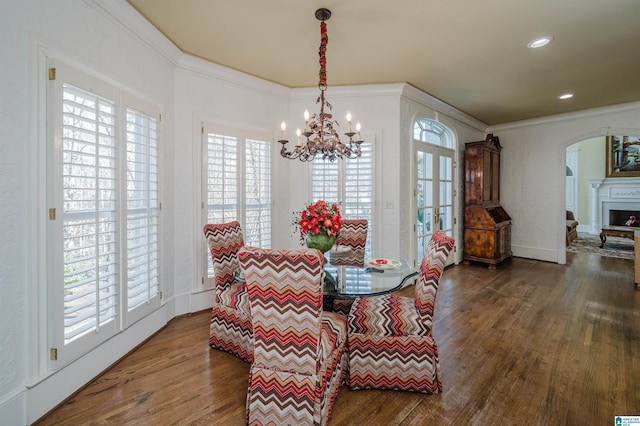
(531, 343)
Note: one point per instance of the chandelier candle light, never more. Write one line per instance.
(320, 134)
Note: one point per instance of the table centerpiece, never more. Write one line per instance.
(319, 225)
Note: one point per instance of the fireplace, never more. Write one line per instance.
(611, 202)
(620, 217)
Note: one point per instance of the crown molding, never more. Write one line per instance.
(566, 116)
(443, 108)
(129, 20)
(207, 69)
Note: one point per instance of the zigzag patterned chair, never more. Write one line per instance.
(353, 234)
(390, 343)
(230, 328)
(299, 354)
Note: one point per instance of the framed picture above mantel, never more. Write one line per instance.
(623, 156)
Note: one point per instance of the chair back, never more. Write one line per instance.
(224, 239)
(353, 234)
(285, 294)
(431, 269)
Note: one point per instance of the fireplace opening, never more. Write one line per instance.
(620, 217)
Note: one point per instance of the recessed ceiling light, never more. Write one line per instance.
(566, 96)
(539, 42)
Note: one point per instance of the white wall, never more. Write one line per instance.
(86, 35)
(14, 192)
(533, 173)
(209, 93)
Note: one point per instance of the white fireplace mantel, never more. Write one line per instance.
(611, 194)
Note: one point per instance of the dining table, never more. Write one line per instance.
(372, 277)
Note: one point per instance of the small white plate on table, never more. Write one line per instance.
(383, 263)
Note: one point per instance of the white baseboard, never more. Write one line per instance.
(12, 411)
(34, 402)
(54, 389)
(546, 255)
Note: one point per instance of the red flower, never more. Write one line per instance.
(320, 217)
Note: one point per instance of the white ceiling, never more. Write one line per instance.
(470, 54)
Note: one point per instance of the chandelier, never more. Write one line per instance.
(320, 135)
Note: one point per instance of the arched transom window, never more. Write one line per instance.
(430, 131)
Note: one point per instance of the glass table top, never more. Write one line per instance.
(369, 279)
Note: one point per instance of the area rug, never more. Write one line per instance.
(614, 247)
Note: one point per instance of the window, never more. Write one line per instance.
(103, 236)
(222, 178)
(348, 182)
(89, 215)
(142, 209)
(257, 212)
(432, 132)
(237, 185)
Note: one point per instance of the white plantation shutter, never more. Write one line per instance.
(142, 209)
(89, 221)
(349, 182)
(257, 228)
(222, 178)
(222, 182)
(358, 186)
(103, 228)
(237, 186)
(325, 181)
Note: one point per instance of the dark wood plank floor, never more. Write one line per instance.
(532, 343)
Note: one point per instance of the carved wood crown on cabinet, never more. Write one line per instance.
(487, 226)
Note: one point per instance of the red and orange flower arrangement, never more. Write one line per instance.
(320, 218)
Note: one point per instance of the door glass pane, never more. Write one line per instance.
(446, 194)
(446, 168)
(424, 189)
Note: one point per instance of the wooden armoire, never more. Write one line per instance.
(487, 226)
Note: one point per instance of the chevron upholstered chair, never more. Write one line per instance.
(230, 328)
(353, 234)
(391, 343)
(299, 353)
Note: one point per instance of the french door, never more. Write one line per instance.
(433, 194)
